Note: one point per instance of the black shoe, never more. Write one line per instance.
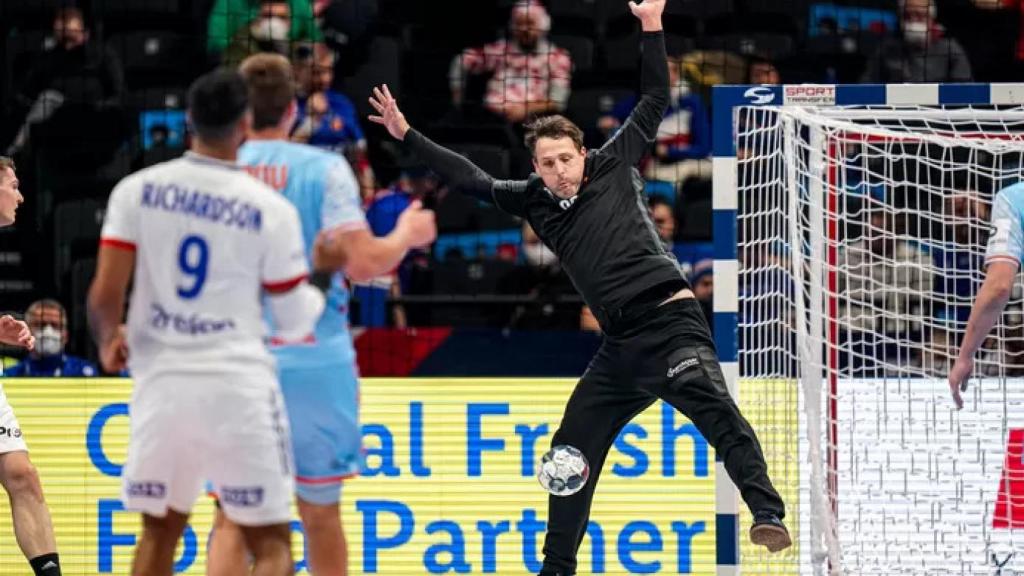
(769, 531)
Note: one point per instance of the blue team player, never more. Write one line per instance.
(319, 377)
(49, 324)
(1002, 263)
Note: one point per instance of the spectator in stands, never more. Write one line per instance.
(74, 70)
(889, 279)
(229, 18)
(761, 70)
(684, 136)
(702, 280)
(543, 279)
(49, 324)
(415, 182)
(269, 32)
(531, 76)
(664, 221)
(923, 53)
(326, 118)
(960, 248)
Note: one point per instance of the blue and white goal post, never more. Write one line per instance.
(851, 224)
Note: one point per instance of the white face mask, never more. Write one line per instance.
(679, 90)
(539, 255)
(915, 33)
(49, 341)
(271, 29)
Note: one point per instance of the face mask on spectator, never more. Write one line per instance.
(49, 341)
(679, 90)
(272, 29)
(916, 32)
(539, 255)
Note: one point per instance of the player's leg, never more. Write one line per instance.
(685, 372)
(251, 468)
(326, 548)
(163, 474)
(33, 528)
(154, 553)
(226, 554)
(601, 404)
(272, 547)
(322, 399)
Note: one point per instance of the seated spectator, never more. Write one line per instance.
(326, 118)
(959, 253)
(664, 221)
(684, 137)
(382, 213)
(531, 76)
(49, 325)
(74, 70)
(269, 32)
(702, 282)
(541, 277)
(923, 53)
(761, 70)
(228, 18)
(888, 282)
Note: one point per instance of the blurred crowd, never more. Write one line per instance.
(93, 90)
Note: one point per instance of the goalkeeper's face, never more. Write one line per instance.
(10, 196)
(560, 163)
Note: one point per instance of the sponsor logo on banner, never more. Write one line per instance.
(817, 94)
(759, 95)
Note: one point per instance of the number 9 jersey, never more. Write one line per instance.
(209, 240)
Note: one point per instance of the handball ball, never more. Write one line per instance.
(563, 470)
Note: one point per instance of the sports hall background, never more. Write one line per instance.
(449, 482)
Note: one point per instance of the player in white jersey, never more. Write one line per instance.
(318, 377)
(1002, 261)
(32, 525)
(202, 242)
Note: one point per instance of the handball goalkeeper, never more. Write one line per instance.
(588, 207)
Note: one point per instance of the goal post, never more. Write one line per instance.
(850, 226)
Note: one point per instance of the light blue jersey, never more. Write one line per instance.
(323, 188)
(1007, 240)
(319, 379)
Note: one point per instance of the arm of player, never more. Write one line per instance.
(992, 298)
(364, 256)
(459, 172)
(294, 304)
(1002, 257)
(115, 264)
(638, 132)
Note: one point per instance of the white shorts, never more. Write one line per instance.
(229, 429)
(11, 439)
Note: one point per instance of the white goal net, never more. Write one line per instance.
(862, 235)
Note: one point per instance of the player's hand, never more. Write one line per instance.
(649, 11)
(16, 333)
(958, 379)
(388, 115)
(418, 225)
(114, 353)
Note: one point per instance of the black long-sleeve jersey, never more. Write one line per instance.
(604, 236)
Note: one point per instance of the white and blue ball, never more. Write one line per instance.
(563, 470)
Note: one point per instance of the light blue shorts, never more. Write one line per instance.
(322, 400)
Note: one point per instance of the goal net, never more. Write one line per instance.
(862, 234)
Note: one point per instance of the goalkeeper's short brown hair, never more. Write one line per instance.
(5, 163)
(271, 87)
(553, 126)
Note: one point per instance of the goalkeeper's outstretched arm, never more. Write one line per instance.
(459, 172)
(989, 304)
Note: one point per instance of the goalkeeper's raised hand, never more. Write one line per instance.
(388, 115)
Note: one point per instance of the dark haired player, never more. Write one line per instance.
(202, 242)
(588, 207)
